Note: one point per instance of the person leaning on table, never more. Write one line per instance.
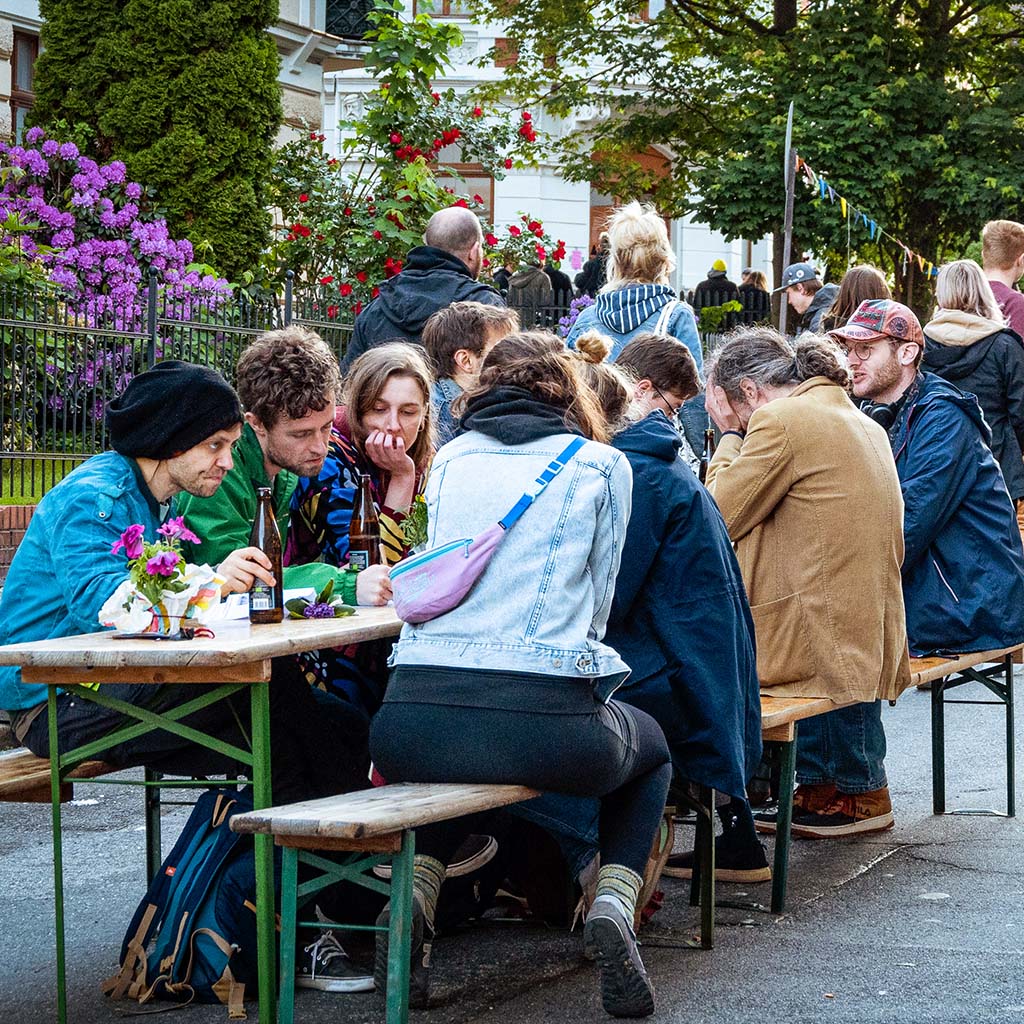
(172, 430)
(810, 496)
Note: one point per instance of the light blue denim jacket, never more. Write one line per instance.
(542, 603)
(64, 569)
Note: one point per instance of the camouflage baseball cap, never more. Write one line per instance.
(881, 318)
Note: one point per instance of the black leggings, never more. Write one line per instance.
(582, 747)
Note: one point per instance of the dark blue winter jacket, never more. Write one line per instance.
(963, 571)
(680, 617)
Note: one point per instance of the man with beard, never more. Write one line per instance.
(963, 568)
(288, 383)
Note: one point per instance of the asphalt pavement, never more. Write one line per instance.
(921, 924)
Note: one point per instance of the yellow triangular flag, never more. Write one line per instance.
(842, 205)
(928, 269)
(920, 262)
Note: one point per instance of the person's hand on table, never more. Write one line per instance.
(373, 585)
(720, 409)
(242, 568)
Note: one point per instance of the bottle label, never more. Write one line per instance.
(261, 597)
(358, 559)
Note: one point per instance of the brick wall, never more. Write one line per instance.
(13, 523)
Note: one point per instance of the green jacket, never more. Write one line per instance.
(224, 521)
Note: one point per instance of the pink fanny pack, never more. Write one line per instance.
(433, 582)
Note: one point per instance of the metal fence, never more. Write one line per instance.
(59, 367)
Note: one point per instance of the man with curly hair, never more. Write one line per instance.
(288, 383)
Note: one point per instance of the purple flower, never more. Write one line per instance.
(163, 564)
(319, 610)
(33, 135)
(50, 147)
(68, 151)
(130, 541)
(176, 528)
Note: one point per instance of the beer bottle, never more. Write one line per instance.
(364, 529)
(266, 603)
(707, 454)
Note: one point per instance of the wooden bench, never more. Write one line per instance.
(994, 671)
(25, 778)
(372, 827)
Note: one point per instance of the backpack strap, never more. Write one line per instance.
(554, 467)
(667, 311)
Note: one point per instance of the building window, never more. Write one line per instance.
(475, 181)
(448, 9)
(347, 18)
(23, 60)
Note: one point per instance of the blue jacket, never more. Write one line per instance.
(680, 617)
(963, 570)
(64, 569)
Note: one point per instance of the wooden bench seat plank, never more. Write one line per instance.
(23, 776)
(374, 812)
(926, 670)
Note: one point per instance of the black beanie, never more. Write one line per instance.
(170, 408)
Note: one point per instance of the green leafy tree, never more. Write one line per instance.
(915, 110)
(185, 92)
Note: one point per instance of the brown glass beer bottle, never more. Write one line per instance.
(266, 603)
(707, 454)
(364, 529)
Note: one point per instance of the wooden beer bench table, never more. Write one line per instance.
(994, 671)
(237, 659)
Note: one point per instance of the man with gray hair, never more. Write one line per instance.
(441, 271)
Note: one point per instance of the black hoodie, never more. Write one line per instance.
(431, 280)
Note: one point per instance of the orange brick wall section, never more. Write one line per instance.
(13, 523)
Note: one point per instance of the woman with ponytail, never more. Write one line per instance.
(809, 492)
(514, 684)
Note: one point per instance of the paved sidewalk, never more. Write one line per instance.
(919, 925)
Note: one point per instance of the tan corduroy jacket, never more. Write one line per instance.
(812, 502)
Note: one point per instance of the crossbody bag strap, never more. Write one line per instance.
(661, 327)
(554, 467)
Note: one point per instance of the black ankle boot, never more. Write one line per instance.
(739, 856)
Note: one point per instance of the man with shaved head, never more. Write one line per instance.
(441, 271)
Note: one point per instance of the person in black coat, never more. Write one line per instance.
(969, 345)
(438, 273)
(561, 286)
(680, 616)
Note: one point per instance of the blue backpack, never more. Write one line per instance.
(193, 936)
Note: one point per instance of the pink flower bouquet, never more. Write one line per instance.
(162, 589)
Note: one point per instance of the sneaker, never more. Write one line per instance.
(747, 864)
(325, 965)
(848, 814)
(474, 853)
(626, 991)
(419, 970)
(809, 796)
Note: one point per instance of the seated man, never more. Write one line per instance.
(172, 430)
(457, 339)
(963, 571)
(288, 383)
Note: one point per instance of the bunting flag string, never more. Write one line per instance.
(875, 231)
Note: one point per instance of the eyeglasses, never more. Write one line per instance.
(672, 409)
(863, 349)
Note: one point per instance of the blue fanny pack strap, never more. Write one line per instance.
(554, 467)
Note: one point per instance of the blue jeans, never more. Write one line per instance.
(845, 747)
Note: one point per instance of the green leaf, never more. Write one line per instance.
(296, 606)
(324, 596)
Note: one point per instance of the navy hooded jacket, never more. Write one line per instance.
(680, 617)
(432, 279)
(963, 570)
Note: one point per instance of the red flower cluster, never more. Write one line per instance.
(345, 289)
(491, 240)
(526, 128)
(303, 198)
(298, 231)
(392, 267)
(462, 203)
(316, 138)
(513, 230)
(477, 112)
(327, 280)
(508, 163)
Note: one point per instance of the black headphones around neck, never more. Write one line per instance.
(883, 414)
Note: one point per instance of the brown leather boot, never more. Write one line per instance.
(808, 797)
(848, 814)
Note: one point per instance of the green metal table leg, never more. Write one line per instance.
(707, 877)
(58, 861)
(780, 871)
(264, 851)
(289, 911)
(154, 848)
(1011, 801)
(400, 936)
(938, 747)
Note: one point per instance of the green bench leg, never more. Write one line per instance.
(400, 936)
(1011, 800)
(780, 870)
(938, 746)
(289, 912)
(154, 847)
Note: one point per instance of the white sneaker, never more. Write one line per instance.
(325, 965)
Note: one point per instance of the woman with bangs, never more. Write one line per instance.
(517, 671)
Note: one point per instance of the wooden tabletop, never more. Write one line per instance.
(236, 643)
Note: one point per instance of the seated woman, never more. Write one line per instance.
(517, 671)
(384, 428)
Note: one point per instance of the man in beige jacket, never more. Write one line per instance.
(809, 492)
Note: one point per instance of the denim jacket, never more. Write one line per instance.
(542, 603)
(64, 569)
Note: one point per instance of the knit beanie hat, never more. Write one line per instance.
(170, 408)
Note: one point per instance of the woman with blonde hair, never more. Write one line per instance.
(514, 685)
(969, 344)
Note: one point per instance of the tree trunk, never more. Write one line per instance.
(784, 16)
